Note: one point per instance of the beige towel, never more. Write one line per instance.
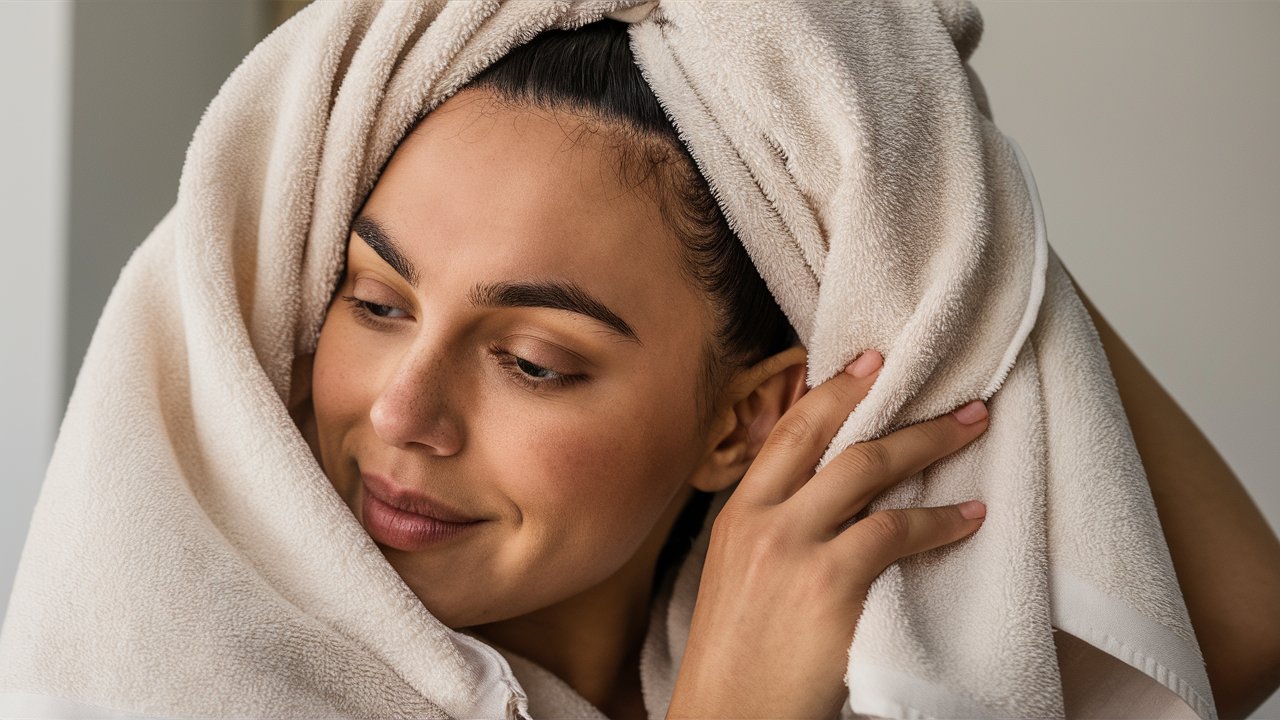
(188, 557)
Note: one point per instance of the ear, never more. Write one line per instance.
(753, 401)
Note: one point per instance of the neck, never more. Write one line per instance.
(592, 640)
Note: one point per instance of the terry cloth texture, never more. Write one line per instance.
(189, 558)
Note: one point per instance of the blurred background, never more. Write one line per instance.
(1151, 128)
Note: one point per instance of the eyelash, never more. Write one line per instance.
(360, 309)
(510, 363)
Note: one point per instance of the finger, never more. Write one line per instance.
(884, 537)
(788, 456)
(863, 470)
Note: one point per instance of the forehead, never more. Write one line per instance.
(492, 191)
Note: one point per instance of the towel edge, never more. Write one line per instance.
(1101, 620)
(1038, 275)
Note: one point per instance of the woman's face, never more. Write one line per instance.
(513, 340)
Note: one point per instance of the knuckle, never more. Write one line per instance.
(869, 459)
(828, 576)
(730, 522)
(757, 542)
(793, 431)
(768, 548)
(760, 556)
(887, 529)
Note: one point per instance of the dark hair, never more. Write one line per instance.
(591, 71)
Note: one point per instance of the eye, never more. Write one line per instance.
(534, 370)
(381, 311)
(374, 315)
(532, 375)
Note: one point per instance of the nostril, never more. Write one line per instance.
(404, 417)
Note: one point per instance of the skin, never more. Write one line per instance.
(779, 650)
(1225, 554)
(577, 500)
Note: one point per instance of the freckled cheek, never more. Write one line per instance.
(596, 479)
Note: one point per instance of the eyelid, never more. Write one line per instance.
(379, 293)
(511, 343)
(510, 363)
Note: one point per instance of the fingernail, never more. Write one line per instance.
(867, 363)
(971, 413)
(972, 510)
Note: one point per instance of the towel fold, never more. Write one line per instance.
(188, 557)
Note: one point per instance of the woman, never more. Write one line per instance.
(553, 346)
(565, 427)
(569, 434)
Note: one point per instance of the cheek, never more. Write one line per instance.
(341, 395)
(596, 479)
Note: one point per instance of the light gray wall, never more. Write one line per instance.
(1152, 131)
(35, 82)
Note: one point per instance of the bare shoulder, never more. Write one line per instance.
(1225, 554)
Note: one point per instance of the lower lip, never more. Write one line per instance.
(407, 531)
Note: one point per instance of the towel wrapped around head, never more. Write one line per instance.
(187, 555)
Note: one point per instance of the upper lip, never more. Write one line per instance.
(409, 500)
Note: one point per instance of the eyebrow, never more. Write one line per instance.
(380, 241)
(550, 294)
(554, 294)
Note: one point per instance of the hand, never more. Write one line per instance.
(782, 590)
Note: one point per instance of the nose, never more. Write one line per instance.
(414, 410)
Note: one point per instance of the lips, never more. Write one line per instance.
(407, 520)
(412, 501)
